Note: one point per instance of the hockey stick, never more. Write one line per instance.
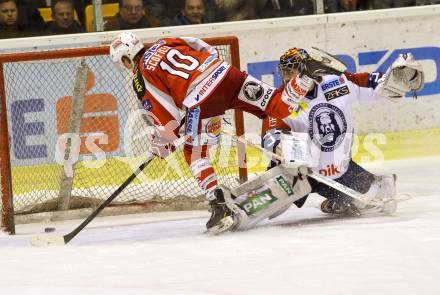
(49, 240)
(325, 180)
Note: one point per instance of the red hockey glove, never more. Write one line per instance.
(296, 89)
(161, 147)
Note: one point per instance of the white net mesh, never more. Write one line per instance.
(112, 137)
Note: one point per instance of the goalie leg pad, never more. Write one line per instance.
(267, 195)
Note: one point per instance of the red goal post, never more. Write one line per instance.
(71, 132)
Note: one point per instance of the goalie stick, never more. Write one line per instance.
(325, 180)
(322, 63)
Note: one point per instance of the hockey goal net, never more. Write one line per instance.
(72, 132)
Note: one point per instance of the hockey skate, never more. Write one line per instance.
(340, 207)
(222, 218)
(380, 197)
(382, 189)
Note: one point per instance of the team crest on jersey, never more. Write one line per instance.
(328, 126)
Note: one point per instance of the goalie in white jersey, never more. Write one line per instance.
(317, 139)
(325, 114)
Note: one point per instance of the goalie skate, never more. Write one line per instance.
(380, 199)
(222, 217)
(225, 224)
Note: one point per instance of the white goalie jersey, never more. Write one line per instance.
(326, 115)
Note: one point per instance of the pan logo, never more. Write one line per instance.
(258, 202)
(429, 53)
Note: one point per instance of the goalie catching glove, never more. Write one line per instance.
(405, 75)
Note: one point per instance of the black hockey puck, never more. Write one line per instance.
(49, 229)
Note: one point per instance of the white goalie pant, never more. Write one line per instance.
(266, 196)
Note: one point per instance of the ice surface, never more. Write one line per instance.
(301, 252)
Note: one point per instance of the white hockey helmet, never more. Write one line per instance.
(125, 44)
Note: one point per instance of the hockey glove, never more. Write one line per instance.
(404, 75)
(296, 89)
(270, 142)
(161, 147)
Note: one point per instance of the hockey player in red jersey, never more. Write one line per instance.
(325, 114)
(186, 74)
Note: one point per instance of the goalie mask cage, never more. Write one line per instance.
(72, 130)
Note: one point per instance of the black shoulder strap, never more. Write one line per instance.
(139, 84)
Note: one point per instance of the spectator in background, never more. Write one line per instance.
(427, 2)
(193, 12)
(63, 19)
(8, 15)
(10, 25)
(283, 8)
(132, 15)
(235, 10)
(331, 6)
(29, 16)
(168, 9)
(158, 8)
(381, 4)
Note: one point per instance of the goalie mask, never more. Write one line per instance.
(292, 62)
(127, 45)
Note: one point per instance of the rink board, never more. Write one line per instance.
(391, 146)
